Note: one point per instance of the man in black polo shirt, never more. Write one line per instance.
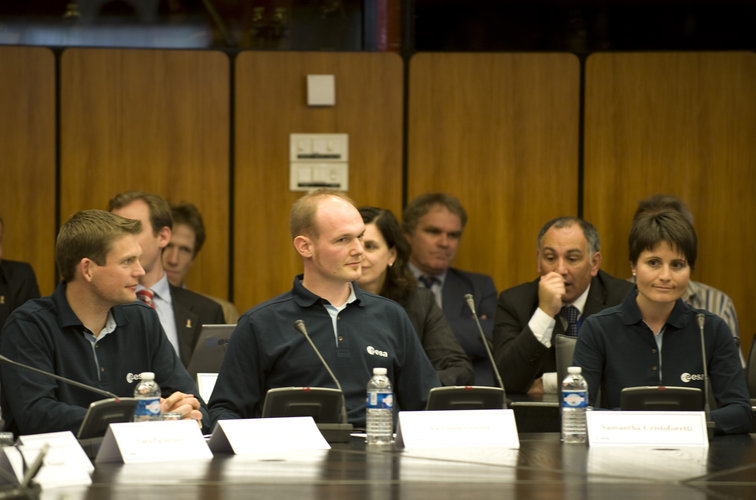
(91, 329)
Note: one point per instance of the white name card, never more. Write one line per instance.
(255, 436)
(457, 428)
(64, 449)
(148, 442)
(65, 463)
(647, 428)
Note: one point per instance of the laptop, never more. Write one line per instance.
(210, 349)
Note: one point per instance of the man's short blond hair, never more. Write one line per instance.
(302, 215)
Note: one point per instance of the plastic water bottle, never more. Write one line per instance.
(574, 405)
(147, 393)
(379, 408)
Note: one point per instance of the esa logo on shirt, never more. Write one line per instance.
(375, 352)
(689, 377)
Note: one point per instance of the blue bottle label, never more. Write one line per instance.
(149, 407)
(380, 400)
(574, 399)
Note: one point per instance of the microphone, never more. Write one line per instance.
(300, 326)
(100, 414)
(471, 304)
(460, 397)
(701, 318)
(67, 380)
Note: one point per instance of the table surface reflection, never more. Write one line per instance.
(542, 468)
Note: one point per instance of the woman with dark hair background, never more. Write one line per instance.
(384, 272)
(652, 338)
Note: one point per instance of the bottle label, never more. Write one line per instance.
(149, 407)
(380, 400)
(574, 399)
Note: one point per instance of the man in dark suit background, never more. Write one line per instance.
(529, 315)
(182, 312)
(18, 283)
(187, 238)
(433, 224)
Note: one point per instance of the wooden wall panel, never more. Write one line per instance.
(499, 131)
(683, 124)
(270, 104)
(27, 159)
(151, 120)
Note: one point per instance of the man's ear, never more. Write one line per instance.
(303, 245)
(86, 269)
(164, 237)
(595, 263)
(538, 262)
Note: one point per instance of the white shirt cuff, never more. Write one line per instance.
(542, 326)
(550, 383)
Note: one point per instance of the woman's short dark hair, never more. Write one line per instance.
(399, 280)
(651, 228)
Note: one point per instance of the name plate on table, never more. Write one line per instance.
(158, 441)
(64, 449)
(267, 435)
(457, 428)
(647, 428)
(64, 462)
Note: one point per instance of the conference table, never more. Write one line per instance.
(542, 468)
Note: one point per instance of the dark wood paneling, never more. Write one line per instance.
(683, 124)
(152, 120)
(499, 131)
(270, 105)
(27, 159)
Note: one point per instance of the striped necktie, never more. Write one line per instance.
(146, 295)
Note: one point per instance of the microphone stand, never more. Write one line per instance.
(67, 380)
(710, 425)
(99, 414)
(471, 304)
(333, 432)
(469, 397)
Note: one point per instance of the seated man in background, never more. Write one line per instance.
(182, 312)
(18, 283)
(697, 294)
(91, 329)
(571, 288)
(433, 224)
(187, 238)
(355, 331)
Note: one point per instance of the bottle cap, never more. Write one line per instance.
(574, 369)
(379, 371)
(147, 376)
